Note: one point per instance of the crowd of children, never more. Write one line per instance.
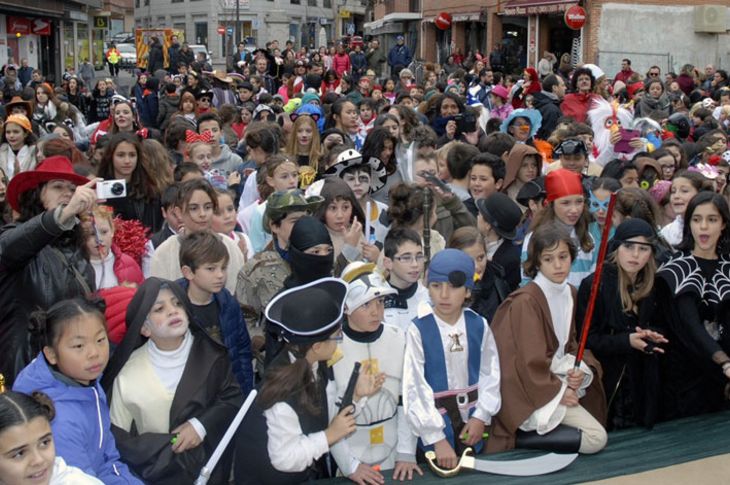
(397, 268)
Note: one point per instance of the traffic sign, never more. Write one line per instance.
(229, 30)
(221, 30)
(575, 17)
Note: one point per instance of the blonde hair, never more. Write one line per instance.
(191, 147)
(104, 213)
(292, 145)
(633, 292)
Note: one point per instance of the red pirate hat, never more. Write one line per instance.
(56, 167)
(562, 183)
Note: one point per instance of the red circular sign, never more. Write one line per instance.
(221, 30)
(575, 17)
(443, 21)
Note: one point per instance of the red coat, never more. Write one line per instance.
(126, 268)
(341, 64)
(577, 105)
(117, 300)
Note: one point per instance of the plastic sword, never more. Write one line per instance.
(528, 467)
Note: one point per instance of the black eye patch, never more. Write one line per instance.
(457, 279)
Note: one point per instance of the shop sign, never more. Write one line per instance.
(575, 17)
(536, 9)
(41, 26)
(101, 22)
(18, 25)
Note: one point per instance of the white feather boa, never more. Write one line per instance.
(605, 118)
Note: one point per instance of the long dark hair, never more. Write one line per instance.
(706, 197)
(336, 109)
(141, 185)
(295, 379)
(374, 143)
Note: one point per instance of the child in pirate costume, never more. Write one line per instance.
(383, 437)
(171, 389)
(287, 434)
(451, 371)
(545, 404)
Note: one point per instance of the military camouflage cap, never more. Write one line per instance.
(284, 202)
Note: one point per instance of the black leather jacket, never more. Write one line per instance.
(39, 266)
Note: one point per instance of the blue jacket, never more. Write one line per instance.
(235, 336)
(399, 55)
(81, 428)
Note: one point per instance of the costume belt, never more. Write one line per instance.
(451, 402)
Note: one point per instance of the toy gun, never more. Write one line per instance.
(350, 390)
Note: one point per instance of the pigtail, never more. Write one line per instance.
(38, 329)
(45, 403)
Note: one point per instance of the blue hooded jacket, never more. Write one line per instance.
(235, 336)
(81, 428)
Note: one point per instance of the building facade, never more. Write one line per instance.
(305, 22)
(55, 35)
(668, 33)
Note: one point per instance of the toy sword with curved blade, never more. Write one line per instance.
(540, 465)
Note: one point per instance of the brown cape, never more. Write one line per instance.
(523, 330)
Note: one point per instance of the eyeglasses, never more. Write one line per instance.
(654, 74)
(409, 258)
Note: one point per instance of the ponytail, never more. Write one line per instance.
(46, 326)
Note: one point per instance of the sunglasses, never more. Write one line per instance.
(571, 147)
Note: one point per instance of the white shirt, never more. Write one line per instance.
(672, 232)
(290, 450)
(104, 272)
(418, 400)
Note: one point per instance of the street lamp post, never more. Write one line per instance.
(238, 23)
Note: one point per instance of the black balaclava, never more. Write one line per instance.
(306, 233)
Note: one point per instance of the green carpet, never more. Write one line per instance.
(627, 452)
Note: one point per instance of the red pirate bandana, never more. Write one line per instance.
(562, 183)
(192, 137)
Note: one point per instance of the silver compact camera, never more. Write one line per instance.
(111, 189)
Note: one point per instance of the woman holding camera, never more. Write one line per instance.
(452, 121)
(41, 255)
(124, 160)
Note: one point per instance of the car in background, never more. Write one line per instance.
(123, 38)
(196, 48)
(129, 56)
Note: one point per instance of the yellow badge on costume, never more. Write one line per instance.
(336, 357)
(372, 365)
(376, 436)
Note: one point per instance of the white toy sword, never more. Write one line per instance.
(528, 467)
(206, 471)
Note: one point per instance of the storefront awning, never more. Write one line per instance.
(460, 17)
(536, 7)
(390, 24)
